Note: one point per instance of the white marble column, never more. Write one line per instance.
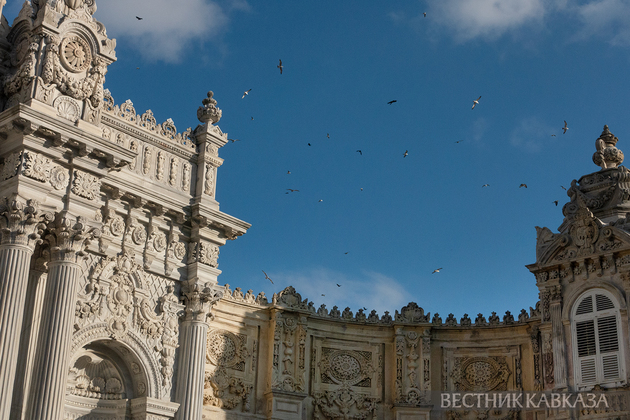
(20, 225)
(67, 240)
(192, 349)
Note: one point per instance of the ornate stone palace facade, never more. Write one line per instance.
(110, 306)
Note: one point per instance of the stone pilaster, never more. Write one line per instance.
(559, 345)
(199, 300)
(21, 226)
(67, 239)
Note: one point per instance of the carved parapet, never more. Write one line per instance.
(199, 300)
(22, 223)
(67, 237)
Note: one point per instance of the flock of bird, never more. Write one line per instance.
(291, 190)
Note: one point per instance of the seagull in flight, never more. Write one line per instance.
(319, 201)
(485, 185)
(406, 153)
(233, 140)
(391, 102)
(459, 141)
(245, 94)
(553, 135)
(361, 189)
(556, 203)
(289, 189)
(563, 187)
(288, 172)
(360, 152)
(280, 66)
(476, 102)
(328, 135)
(139, 18)
(565, 128)
(346, 253)
(323, 294)
(425, 14)
(522, 185)
(267, 277)
(338, 285)
(437, 270)
(309, 144)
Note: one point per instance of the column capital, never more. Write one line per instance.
(68, 236)
(199, 299)
(22, 222)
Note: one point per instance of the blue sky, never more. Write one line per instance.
(535, 63)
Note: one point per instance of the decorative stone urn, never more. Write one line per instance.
(607, 155)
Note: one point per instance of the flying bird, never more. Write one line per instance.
(556, 203)
(289, 189)
(437, 270)
(360, 152)
(485, 185)
(267, 277)
(391, 102)
(565, 128)
(319, 201)
(364, 308)
(361, 189)
(459, 141)
(323, 294)
(309, 144)
(338, 285)
(406, 153)
(233, 140)
(288, 172)
(346, 253)
(522, 185)
(328, 135)
(475, 103)
(245, 94)
(563, 187)
(252, 118)
(553, 135)
(139, 18)
(137, 68)
(425, 14)
(280, 66)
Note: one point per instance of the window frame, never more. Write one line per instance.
(598, 357)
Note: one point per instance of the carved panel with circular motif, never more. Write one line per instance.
(227, 349)
(75, 54)
(346, 367)
(481, 374)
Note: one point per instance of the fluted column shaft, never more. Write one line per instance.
(191, 375)
(48, 388)
(14, 268)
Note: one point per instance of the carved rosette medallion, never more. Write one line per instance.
(75, 54)
(481, 374)
(227, 349)
(59, 177)
(117, 225)
(347, 367)
(208, 254)
(86, 185)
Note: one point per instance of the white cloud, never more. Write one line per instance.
(486, 18)
(531, 134)
(373, 290)
(167, 27)
(608, 18)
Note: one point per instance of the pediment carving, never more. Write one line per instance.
(412, 313)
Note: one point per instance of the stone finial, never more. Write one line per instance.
(607, 155)
(209, 112)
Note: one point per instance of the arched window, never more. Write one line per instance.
(597, 345)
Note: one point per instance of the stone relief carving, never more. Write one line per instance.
(227, 349)
(344, 403)
(160, 165)
(146, 161)
(11, 165)
(147, 122)
(36, 166)
(95, 377)
(346, 367)
(172, 180)
(118, 293)
(186, 177)
(412, 313)
(209, 185)
(480, 374)
(287, 375)
(224, 391)
(86, 185)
